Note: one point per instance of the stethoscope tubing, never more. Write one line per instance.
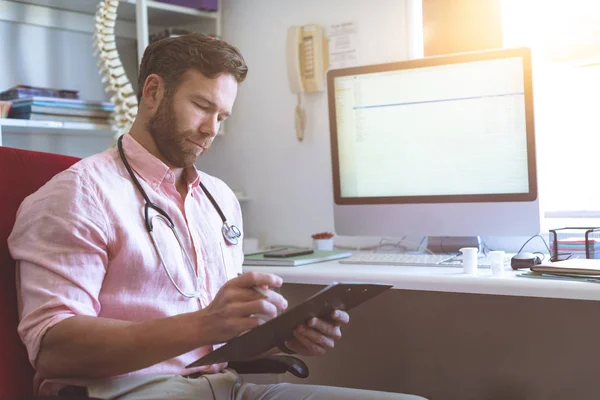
(231, 233)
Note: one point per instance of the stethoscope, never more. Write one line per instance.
(231, 233)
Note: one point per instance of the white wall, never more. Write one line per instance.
(289, 183)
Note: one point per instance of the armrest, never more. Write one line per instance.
(277, 364)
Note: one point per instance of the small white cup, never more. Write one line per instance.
(469, 259)
(497, 262)
(323, 244)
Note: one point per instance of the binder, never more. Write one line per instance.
(577, 266)
(337, 296)
(315, 257)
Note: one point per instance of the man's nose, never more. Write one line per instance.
(211, 126)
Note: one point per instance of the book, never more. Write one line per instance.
(317, 256)
(21, 91)
(337, 296)
(67, 103)
(577, 266)
(83, 112)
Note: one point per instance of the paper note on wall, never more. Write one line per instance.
(343, 51)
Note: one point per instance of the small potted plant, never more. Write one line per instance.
(323, 241)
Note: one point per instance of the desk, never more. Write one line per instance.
(438, 279)
(450, 336)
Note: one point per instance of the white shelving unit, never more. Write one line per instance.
(45, 12)
(25, 126)
(78, 16)
(71, 138)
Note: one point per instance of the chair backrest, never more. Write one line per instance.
(22, 172)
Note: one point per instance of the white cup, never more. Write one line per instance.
(469, 259)
(497, 262)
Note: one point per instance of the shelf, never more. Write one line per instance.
(25, 126)
(159, 14)
(168, 15)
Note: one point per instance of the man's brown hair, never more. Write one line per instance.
(170, 58)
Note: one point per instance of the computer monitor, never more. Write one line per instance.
(440, 146)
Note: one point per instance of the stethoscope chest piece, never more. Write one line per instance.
(231, 233)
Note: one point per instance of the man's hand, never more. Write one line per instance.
(317, 335)
(237, 306)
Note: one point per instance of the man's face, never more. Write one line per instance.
(186, 122)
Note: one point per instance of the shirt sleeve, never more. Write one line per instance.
(59, 241)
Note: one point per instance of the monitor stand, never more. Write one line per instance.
(452, 244)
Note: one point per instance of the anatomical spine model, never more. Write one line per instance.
(114, 76)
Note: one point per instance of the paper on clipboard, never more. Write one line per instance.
(337, 296)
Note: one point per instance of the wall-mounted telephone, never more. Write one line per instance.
(307, 61)
(306, 58)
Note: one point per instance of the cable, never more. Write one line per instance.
(212, 390)
(531, 238)
(399, 245)
(486, 249)
(442, 246)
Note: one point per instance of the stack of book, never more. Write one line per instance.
(24, 91)
(577, 247)
(96, 113)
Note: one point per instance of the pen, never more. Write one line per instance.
(258, 289)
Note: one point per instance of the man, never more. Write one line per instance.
(114, 300)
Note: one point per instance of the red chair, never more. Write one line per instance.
(21, 173)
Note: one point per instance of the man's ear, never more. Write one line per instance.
(153, 91)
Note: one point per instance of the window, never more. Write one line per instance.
(565, 41)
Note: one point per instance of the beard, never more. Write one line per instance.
(172, 142)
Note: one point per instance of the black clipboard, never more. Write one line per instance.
(337, 296)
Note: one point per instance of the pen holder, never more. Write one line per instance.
(323, 244)
(322, 241)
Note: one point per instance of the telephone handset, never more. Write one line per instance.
(307, 60)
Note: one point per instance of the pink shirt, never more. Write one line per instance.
(82, 249)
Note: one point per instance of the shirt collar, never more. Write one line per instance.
(150, 168)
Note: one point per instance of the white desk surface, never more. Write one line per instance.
(438, 279)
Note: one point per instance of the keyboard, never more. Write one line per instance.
(425, 260)
(397, 259)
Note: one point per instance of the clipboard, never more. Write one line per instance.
(337, 296)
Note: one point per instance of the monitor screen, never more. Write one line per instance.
(441, 146)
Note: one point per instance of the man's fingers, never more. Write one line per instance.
(326, 328)
(246, 288)
(313, 347)
(243, 295)
(260, 279)
(315, 337)
(259, 306)
(340, 317)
